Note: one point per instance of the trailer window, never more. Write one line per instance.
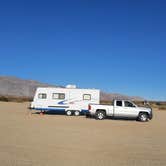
(58, 96)
(42, 96)
(86, 97)
(61, 96)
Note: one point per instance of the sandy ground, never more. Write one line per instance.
(34, 140)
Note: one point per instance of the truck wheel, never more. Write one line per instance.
(68, 112)
(76, 113)
(143, 117)
(100, 115)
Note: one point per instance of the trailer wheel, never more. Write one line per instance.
(69, 112)
(76, 113)
(100, 115)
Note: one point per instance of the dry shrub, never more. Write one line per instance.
(15, 99)
(106, 102)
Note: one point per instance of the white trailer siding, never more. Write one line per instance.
(63, 99)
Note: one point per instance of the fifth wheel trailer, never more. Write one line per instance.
(70, 100)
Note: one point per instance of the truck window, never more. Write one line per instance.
(42, 95)
(86, 97)
(58, 96)
(129, 104)
(119, 103)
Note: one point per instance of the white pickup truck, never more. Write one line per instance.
(120, 109)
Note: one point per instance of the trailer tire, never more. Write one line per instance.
(69, 113)
(77, 113)
(100, 115)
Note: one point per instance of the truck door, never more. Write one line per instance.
(130, 110)
(118, 108)
(125, 109)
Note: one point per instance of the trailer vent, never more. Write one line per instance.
(71, 86)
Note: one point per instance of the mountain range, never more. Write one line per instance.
(13, 86)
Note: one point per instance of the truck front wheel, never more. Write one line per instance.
(100, 115)
(143, 117)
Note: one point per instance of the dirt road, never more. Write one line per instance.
(33, 140)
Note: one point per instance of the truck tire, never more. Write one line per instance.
(100, 115)
(143, 117)
(69, 113)
(76, 113)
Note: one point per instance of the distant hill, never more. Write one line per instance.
(12, 86)
(111, 96)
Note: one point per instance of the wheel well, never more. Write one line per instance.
(144, 113)
(101, 110)
(69, 110)
(73, 110)
(77, 110)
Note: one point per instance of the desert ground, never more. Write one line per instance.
(47, 140)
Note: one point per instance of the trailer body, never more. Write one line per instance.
(65, 99)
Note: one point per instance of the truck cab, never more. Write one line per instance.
(124, 108)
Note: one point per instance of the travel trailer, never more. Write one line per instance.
(70, 100)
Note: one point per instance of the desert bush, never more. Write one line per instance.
(3, 98)
(162, 108)
(105, 102)
(15, 99)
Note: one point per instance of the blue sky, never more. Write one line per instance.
(116, 46)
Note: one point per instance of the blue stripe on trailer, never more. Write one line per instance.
(52, 110)
(58, 110)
